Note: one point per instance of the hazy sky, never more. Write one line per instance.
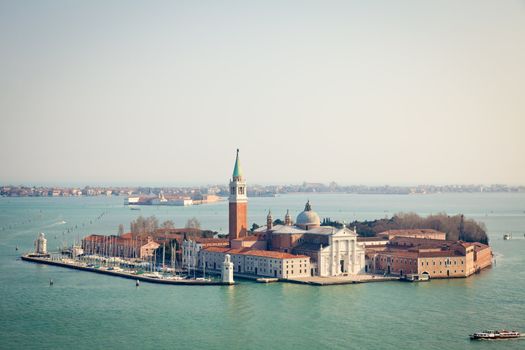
(153, 92)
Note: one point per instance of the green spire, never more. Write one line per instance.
(237, 171)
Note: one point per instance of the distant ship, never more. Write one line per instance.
(507, 237)
(494, 335)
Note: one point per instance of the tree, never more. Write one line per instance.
(120, 230)
(456, 227)
(144, 226)
(193, 223)
(168, 224)
(255, 226)
(278, 222)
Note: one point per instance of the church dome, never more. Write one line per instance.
(308, 218)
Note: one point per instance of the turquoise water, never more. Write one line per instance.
(89, 311)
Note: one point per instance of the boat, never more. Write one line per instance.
(507, 237)
(201, 279)
(416, 277)
(494, 335)
(153, 275)
(174, 278)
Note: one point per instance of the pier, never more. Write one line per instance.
(340, 280)
(183, 282)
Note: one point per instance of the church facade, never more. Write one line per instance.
(332, 251)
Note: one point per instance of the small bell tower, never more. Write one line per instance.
(269, 220)
(288, 218)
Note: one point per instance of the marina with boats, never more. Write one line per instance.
(138, 275)
(146, 270)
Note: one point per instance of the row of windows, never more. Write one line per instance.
(404, 261)
(440, 263)
(241, 190)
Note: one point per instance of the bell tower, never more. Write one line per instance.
(238, 203)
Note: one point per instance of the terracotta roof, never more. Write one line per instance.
(217, 249)
(255, 252)
(372, 239)
(443, 253)
(399, 253)
(211, 240)
(114, 239)
(177, 230)
(477, 245)
(418, 231)
(422, 241)
(274, 255)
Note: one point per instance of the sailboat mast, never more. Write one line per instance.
(164, 257)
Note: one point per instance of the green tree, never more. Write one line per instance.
(193, 223)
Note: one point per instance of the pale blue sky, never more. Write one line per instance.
(398, 92)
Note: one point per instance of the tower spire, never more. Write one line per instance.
(237, 171)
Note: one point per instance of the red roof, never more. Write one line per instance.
(114, 239)
(399, 253)
(273, 254)
(442, 253)
(255, 252)
(477, 245)
(418, 231)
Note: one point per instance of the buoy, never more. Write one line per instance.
(137, 283)
(16, 248)
(50, 282)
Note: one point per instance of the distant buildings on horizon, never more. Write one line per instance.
(196, 193)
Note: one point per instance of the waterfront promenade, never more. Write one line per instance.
(339, 280)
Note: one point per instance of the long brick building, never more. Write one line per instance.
(436, 258)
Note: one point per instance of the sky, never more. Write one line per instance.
(357, 92)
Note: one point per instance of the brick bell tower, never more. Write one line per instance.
(238, 203)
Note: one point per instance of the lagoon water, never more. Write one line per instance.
(90, 311)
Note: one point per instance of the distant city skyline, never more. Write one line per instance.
(374, 93)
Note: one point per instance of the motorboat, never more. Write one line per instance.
(495, 335)
(416, 277)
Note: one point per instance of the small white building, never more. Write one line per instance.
(227, 270)
(181, 202)
(190, 254)
(132, 200)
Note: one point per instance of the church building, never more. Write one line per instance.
(300, 249)
(332, 251)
